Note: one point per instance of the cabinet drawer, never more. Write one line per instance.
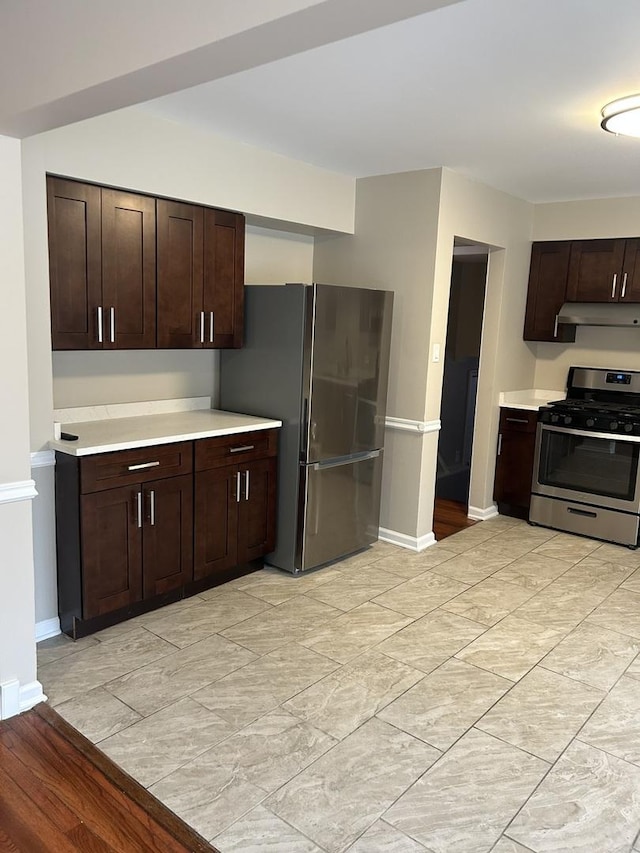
(518, 420)
(126, 467)
(240, 448)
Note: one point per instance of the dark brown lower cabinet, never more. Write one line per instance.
(234, 515)
(135, 529)
(514, 465)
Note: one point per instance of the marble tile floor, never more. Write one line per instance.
(483, 695)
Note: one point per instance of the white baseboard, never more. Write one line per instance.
(482, 514)
(412, 543)
(47, 628)
(15, 699)
(19, 491)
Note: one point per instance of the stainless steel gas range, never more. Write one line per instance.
(586, 477)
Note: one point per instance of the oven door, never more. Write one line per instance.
(587, 467)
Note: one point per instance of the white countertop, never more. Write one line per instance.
(531, 398)
(102, 436)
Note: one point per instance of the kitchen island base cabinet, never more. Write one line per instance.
(514, 465)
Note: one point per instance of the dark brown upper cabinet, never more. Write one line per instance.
(106, 291)
(547, 292)
(200, 276)
(604, 271)
(102, 256)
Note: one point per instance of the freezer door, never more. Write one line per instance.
(347, 364)
(340, 508)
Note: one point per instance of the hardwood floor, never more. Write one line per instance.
(59, 794)
(449, 517)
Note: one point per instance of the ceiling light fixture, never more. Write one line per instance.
(622, 116)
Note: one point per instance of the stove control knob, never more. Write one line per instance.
(567, 420)
(554, 419)
(613, 426)
(590, 422)
(628, 427)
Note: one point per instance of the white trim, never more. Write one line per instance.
(15, 699)
(47, 628)
(482, 514)
(20, 491)
(412, 426)
(412, 543)
(43, 459)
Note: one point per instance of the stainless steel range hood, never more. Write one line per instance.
(600, 314)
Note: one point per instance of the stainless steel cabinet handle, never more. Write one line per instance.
(142, 466)
(555, 328)
(112, 323)
(241, 449)
(99, 324)
(517, 420)
(624, 286)
(139, 508)
(237, 487)
(613, 286)
(499, 443)
(246, 485)
(210, 327)
(152, 507)
(202, 327)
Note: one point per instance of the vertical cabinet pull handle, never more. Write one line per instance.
(555, 328)
(139, 508)
(202, 327)
(613, 286)
(99, 324)
(238, 487)
(624, 286)
(152, 507)
(499, 443)
(246, 485)
(210, 327)
(112, 323)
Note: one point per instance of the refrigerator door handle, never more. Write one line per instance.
(345, 460)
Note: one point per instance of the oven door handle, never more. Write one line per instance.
(607, 436)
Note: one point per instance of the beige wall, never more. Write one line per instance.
(594, 346)
(481, 214)
(394, 248)
(17, 618)
(405, 230)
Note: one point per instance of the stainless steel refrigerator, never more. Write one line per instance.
(317, 357)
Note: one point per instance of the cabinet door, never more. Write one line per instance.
(128, 270)
(547, 292)
(168, 535)
(75, 275)
(180, 277)
(630, 288)
(595, 270)
(111, 550)
(514, 468)
(257, 510)
(216, 521)
(223, 278)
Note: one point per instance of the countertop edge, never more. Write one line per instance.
(530, 399)
(70, 449)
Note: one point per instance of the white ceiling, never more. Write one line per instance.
(507, 92)
(504, 91)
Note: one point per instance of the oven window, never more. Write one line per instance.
(598, 466)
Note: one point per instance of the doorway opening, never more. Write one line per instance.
(459, 386)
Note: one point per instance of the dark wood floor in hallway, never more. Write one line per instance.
(59, 794)
(449, 517)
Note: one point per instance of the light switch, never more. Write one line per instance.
(436, 352)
